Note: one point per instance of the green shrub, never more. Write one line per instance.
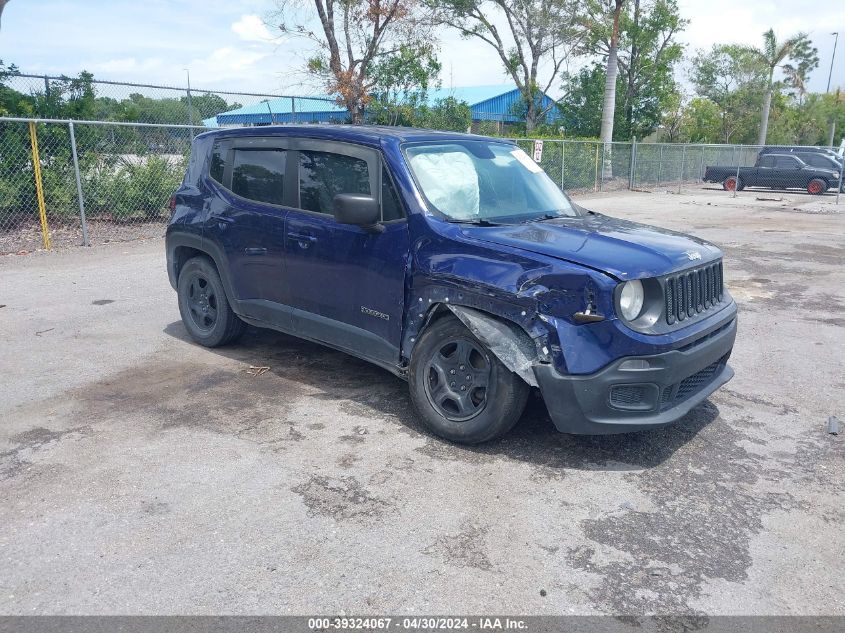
(131, 188)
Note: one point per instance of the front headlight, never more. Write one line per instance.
(631, 299)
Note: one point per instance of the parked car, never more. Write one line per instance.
(823, 161)
(800, 149)
(775, 171)
(455, 263)
(813, 156)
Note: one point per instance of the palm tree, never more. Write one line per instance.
(609, 106)
(3, 3)
(773, 53)
(797, 79)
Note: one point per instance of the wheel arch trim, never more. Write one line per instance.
(177, 240)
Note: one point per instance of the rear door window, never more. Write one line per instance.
(259, 174)
(323, 175)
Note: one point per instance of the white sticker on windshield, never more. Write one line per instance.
(526, 161)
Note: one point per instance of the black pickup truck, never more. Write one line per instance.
(775, 171)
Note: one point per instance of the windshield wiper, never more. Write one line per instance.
(478, 222)
(544, 216)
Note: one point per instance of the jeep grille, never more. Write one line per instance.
(693, 291)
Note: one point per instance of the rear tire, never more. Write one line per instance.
(462, 392)
(816, 187)
(203, 304)
(732, 183)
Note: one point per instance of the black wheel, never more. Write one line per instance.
(203, 305)
(460, 389)
(816, 186)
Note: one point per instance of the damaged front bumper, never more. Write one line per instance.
(640, 392)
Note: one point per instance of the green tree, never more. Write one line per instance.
(647, 53)
(543, 34)
(401, 82)
(352, 38)
(581, 103)
(446, 114)
(798, 49)
(734, 78)
(701, 121)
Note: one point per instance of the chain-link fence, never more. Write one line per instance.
(81, 182)
(86, 98)
(592, 166)
(71, 183)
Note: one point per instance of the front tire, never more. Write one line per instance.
(203, 304)
(732, 183)
(460, 389)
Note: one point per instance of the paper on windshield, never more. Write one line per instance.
(526, 161)
(450, 182)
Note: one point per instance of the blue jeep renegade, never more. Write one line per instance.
(454, 262)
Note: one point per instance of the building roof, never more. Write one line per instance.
(473, 95)
(282, 110)
(492, 103)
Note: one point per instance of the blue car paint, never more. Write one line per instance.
(536, 276)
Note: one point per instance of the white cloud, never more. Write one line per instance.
(251, 29)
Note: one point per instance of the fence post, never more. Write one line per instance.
(292, 110)
(562, 164)
(596, 181)
(85, 241)
(736, 182)
(39, 185)
(633, 164)
(660, 166)
(603, 158)
(839, 190)
(683, 162)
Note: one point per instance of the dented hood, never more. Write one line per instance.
(623, 249)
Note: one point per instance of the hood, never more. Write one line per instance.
(623, 249)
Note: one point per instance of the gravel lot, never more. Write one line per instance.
(140, 473)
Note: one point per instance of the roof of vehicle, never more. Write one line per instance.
(781, 149)
(362, 134)
(783, 155)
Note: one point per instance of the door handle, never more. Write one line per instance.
(304, 241)
(255, 251)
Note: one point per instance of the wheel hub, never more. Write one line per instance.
(457, 379)
(202, 302)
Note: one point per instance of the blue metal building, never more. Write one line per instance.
(501, 103)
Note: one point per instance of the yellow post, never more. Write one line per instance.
(39, 185)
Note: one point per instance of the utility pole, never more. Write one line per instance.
(829, 75)
(190, 108)
(832, 57)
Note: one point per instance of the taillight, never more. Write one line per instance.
(172, 204)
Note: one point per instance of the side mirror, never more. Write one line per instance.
(357, 209)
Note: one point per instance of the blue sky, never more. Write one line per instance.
(226, 45)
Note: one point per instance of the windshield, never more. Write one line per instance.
(485, 181)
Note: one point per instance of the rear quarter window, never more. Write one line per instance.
(217, 165)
